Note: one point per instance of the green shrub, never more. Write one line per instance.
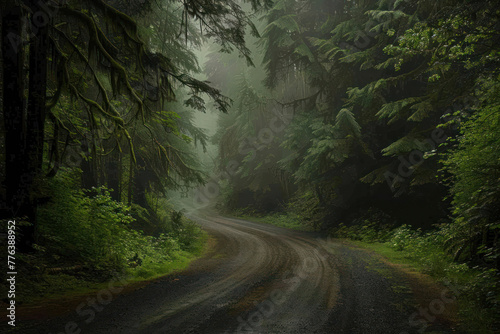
(404, 237)
(479, 286)
(306, 210)
(90, 227)
(86, 226)
(366, 231)
(474, 165)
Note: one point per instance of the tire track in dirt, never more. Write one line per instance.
(260, 278)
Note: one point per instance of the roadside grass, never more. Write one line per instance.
(478, 287)
(39, 287)
(85, 238)
(180, 260)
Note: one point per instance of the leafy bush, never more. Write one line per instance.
(90, 227)
(306, 209)
(86, 226)
(403, 237)
(367, 231)
(474, 164)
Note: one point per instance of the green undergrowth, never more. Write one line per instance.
(84, 238)
(478, 284)
(39, 287)
(302, 213)
(286, 220)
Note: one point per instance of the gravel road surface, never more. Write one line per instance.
(258, 278)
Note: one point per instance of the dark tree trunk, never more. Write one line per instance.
(142, 177)
(89, 179)
(113, 177)
(13, 106)
(18, 180)
(140, 185)
(130, 180)
(23, 127)
(37, 94)
(36, 112)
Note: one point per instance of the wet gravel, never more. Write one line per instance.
(260, 279)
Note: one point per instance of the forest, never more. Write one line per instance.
(372, 121)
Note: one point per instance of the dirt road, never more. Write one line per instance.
(263, 279)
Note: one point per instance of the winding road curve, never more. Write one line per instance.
(258, 278)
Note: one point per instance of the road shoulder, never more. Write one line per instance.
(436, 301)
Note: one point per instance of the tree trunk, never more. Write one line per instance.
(36, 112)
(130, 180)
(142, 177)
(89, 178)
(113, 177)
(14, 111)
(23, 127)
(37, 96)
(18, 179)
(139, 188)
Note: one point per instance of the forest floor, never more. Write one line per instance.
(258, 278)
